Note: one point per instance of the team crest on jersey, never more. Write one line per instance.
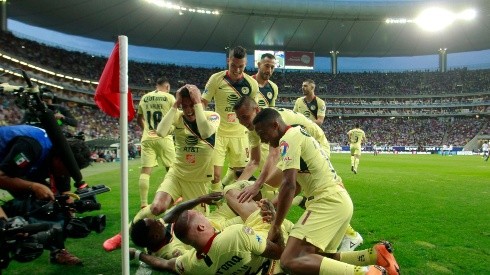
(312, 107)
(283, 146)
(248, 230)
(269, 95)
(21, 160)
(245, 90)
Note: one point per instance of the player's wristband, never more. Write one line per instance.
(137, 254)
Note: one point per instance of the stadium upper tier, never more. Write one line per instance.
(454, 93)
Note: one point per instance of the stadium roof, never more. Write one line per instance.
(354, 28)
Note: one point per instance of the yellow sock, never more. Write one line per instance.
(144, 185)
(350, 231)
(229, 177)
(216, 187)
(356, 164)
(330, 266)
(352, 160)
(361, 258)
(297, 200)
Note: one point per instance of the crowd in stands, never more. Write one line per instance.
(388, 84)
(381, 130)
(407, 132)
(437, 96)
(142, 75)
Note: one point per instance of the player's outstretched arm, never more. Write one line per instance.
(154, 262)
(274, 249)
(174, 213)
(269, 167)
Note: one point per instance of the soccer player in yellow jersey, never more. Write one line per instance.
(328, 210)
(151, 109)
(226, 87)
(192, 172)
(268, 89)
(158, 236)
(356, 138)
(263, 156)
(310, 105)
(246, 111)
(236, 249)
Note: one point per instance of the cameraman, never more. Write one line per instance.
(27, 159)
(62, 115)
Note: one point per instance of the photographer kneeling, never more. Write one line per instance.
(27, 159)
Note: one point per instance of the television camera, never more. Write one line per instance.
(24, 242)
(39, 224)
(61, 212)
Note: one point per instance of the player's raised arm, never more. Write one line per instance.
(155, 262)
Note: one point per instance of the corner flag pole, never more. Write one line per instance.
(123, 146)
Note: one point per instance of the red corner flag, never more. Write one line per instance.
(107, 92)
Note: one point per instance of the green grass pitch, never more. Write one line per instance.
(435, 210)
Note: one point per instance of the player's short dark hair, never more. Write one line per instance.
(358, 125)
(184, 92)
(244, 101)
(266, 115)
(181, 226)
(162, 80)
(311, 81)
(238, 52)
(81, 152)
(267, 55)
(139, 233)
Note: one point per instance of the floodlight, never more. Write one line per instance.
(435, 19)
(468, 14)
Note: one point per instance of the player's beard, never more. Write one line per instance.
(265, 76)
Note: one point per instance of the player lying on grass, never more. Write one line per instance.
(240, 248)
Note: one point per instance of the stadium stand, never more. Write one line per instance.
(410, 108)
